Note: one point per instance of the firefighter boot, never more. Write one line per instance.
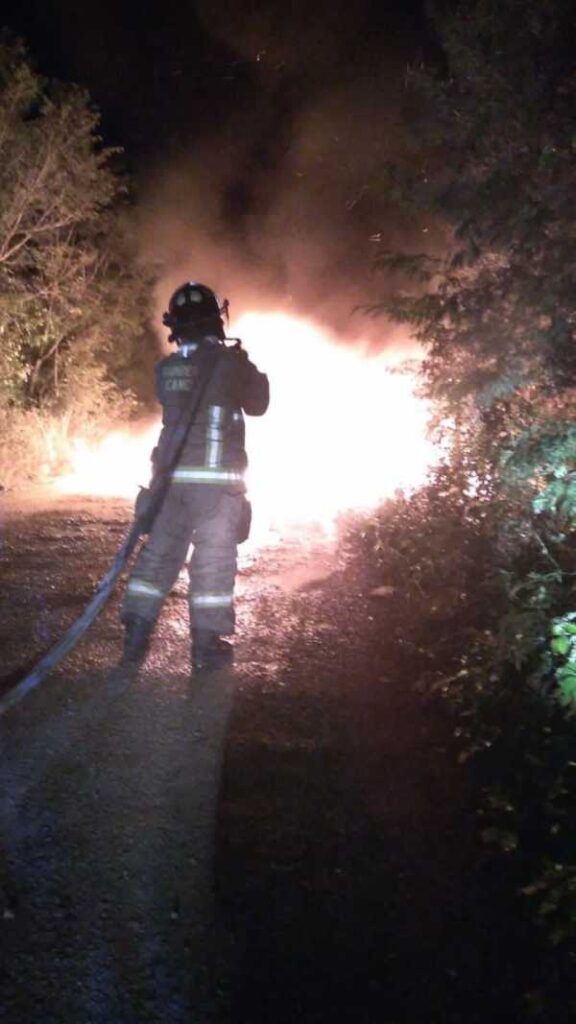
(136, 640)
(210, 651)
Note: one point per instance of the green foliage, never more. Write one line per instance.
(436, 549)
(495, 313)
(497, 166)
(563, 647)
(471, 627)
(553, 895)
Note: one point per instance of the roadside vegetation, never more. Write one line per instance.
(480, 564)
(72, 300)
(482, 560)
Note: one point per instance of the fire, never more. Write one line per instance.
(114, 467)
(342, 432)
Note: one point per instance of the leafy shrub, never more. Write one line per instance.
(38, 443)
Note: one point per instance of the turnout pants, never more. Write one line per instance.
(209, 518)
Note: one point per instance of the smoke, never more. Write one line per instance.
(278, 204)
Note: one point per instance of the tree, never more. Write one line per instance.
(496, 312)
(64, 263)
(496, 315)
(500, 126)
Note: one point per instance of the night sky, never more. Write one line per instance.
(254, 133)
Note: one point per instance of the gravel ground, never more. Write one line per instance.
(292, 840)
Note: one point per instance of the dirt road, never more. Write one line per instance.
(290, 841)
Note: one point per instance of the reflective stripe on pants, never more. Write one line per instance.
(208, 517)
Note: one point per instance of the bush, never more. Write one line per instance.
(38, 443)
(475, 617)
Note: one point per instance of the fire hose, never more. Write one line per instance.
(158, 489)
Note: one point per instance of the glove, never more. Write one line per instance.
(245, 521)
(244, 368)
(143, 510)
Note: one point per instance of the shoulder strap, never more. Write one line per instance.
(162, 477)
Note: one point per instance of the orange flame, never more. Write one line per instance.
(342, 432)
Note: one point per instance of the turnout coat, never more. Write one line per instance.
(205, 504)
(214, 449)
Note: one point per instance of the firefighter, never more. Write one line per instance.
(205, 501)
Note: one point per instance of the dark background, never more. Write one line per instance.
(255, 135)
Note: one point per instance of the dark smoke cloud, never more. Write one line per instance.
(277, 205)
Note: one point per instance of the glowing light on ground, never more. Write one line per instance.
(342, 432)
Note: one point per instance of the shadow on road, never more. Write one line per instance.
(348, 868)
(108, 826)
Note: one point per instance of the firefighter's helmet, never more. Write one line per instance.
(194, 307)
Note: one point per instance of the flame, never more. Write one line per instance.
(114, 467)
(343, 432)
